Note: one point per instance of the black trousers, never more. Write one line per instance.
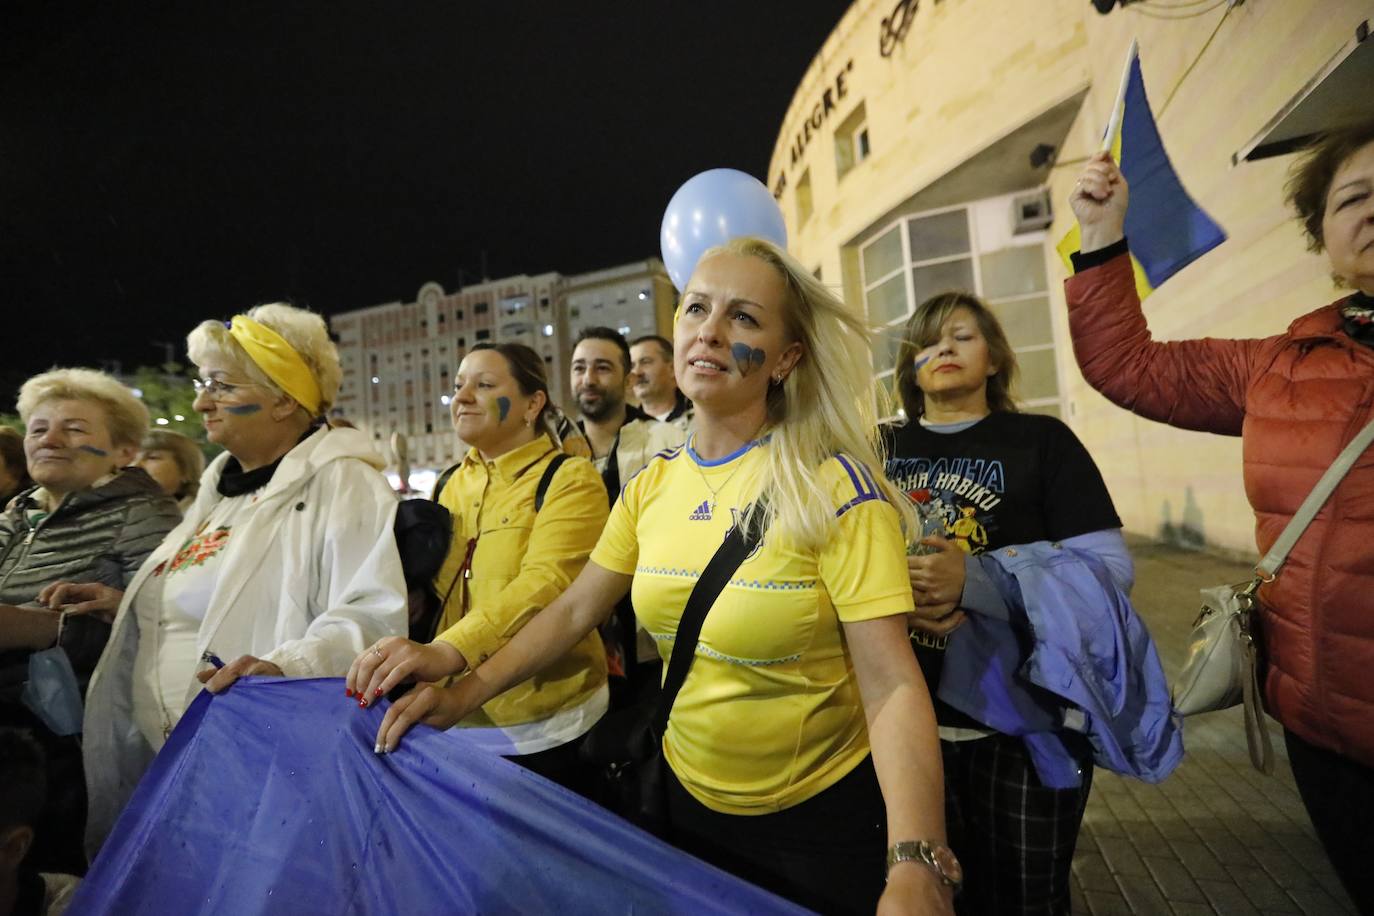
(562, 765)
(59, 833)
(1339, 796)
(1013, 836)
(827, 853)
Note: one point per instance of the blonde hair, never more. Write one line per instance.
(189, 458)
(824, 407)
(125, 414)
(305, 331)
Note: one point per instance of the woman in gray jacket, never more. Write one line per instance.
(90, 518)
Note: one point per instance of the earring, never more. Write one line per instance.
(527, 421)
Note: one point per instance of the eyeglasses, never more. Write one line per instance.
(217, 390)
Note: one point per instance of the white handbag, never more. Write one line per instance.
(1222, 665)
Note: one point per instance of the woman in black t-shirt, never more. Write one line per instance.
(991, 477)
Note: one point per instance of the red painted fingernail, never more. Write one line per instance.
(377, 692)
(362, 704)
(348, 691)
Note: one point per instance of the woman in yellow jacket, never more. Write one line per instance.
(506, 562)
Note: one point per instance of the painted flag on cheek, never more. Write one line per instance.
(1167, 230)
(268, 799)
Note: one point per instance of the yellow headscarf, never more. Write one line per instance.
(279, 360)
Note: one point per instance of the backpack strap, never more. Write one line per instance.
(547, 479)
(443, 480)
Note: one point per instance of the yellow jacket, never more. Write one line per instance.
(521, 560)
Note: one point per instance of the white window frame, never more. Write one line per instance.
(896, 326)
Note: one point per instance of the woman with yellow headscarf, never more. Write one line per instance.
(285, 565)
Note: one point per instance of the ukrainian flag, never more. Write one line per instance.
(1166, 229)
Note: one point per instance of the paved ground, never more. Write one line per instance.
(1217, 836)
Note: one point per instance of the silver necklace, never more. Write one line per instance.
(711, 504)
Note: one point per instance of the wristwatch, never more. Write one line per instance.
(933, 855)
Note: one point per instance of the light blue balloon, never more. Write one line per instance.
(709, 210)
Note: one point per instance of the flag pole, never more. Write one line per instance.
(1120, 107)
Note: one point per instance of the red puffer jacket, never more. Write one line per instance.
(1296, 400)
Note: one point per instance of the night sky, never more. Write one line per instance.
(162, 163)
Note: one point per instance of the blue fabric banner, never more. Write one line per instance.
(268, 799)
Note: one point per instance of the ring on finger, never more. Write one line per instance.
(378, 652)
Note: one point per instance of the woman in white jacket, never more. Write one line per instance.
(285, 565)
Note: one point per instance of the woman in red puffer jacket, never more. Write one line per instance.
(1296, 399)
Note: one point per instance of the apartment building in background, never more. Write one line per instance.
(399, 358)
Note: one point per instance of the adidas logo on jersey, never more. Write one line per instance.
(701, 513)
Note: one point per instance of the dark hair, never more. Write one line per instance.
(923, 329)
(615, 337)
(664, 343)
(23, 785)
(1309, 181)
(12, 453)
(528, 370)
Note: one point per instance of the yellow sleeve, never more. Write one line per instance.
(564, 532)
(863, 567)
(618, 549)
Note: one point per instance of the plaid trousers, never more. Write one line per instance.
(1014, 837)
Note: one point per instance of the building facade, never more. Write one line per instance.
(399, 358)
(933, 144)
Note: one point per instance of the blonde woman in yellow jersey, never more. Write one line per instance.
(802, 745)
(506, 562)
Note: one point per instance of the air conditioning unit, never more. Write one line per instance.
(1031, 212)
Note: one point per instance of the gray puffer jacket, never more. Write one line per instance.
(97, 535)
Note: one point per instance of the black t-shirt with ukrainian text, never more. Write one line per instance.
(1010, 478)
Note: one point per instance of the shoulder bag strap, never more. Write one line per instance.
(1269, 566)
(443, 481)
(728, 557)
(546, 480)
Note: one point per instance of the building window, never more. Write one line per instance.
(804, 207)
(441, 317)
(919, 256)
(481, 308)
(547, 330)
(851, 141)
(483, 334)
(458, 315)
